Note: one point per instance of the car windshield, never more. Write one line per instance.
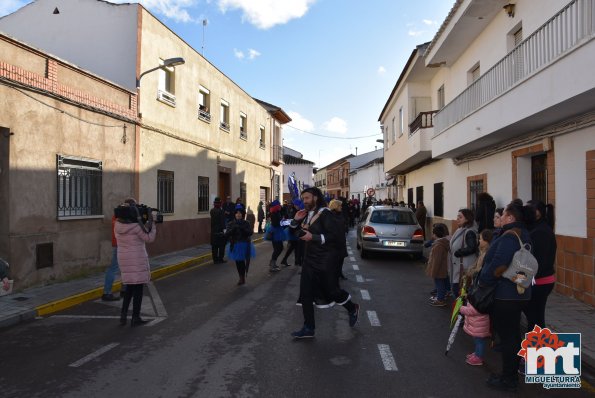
(392, 217)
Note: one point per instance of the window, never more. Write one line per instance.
(203, 194)
(165, 191)
(243, 126)
(400, 121)
(419, 194)
(243, 190)
(409, 196)
(224, 115)
(393, 217)
(475, 185)
(518, 57)
(439, 199)
(166, 92)
(276, 186)
(79, 187)
(474, 74)
(394, 131)
(262, 140)
(204, 104)
(441, 97)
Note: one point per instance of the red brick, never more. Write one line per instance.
(560, 275)
(588, 284)
(591, 155)
(578, 294)
(568, 278)
(590, 174)
(573, 244)
(591, 222)
(589, 299)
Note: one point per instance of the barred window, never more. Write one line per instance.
(79, 187)
(203, 194)
(165, 191)
(243, 193)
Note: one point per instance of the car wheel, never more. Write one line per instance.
(364, 253)
(357, 245)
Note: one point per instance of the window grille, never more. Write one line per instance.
(165, 191)
(79, 187)
(203, 194)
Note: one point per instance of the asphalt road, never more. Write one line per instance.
(211, 338)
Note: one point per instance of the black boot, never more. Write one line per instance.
(123, 319)
(137, 321)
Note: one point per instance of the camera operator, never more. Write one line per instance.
(133, 260)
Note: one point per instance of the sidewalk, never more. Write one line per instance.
(564, 315)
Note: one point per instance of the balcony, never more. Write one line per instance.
(243, 134)
(203, 113)
(423, 121)
(277, 154)
(261, 143)
(531, 88)
(224, 126)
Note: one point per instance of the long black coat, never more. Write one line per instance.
(544, 248)
(323, 256)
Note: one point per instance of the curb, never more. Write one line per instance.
(62, 304)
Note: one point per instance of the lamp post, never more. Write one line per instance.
(166, 63)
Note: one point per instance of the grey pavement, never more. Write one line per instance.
(563, 314)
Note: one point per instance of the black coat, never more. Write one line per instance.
(321, 256)
(485, 214)
(238, 231)
(543, 248)
(217, 221)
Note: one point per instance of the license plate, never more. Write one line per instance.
(393, 243)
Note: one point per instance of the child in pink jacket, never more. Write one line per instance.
(477, 324)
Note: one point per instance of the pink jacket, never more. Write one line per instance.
(132, 254)
(476, 323)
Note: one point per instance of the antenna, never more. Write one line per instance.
(204, 23)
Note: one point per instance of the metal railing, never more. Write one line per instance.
(204, 114)
(224, 126)
(423, 120)
(557, 36)
(243, 134)
(277, 152)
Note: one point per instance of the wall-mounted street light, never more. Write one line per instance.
(170, 62)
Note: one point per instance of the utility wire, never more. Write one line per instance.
(331, 136)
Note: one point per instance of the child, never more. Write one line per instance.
(438, 263)
(477, 324)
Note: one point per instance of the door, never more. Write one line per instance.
(539, 178)
(224, 185)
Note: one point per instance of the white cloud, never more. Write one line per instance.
(238, 54)
(299, 122)
(429, 22)
(172, 9)
(265, 14)
(415, 32)
(10, 6)
(335, 125)
(252, 53)
(381, 70)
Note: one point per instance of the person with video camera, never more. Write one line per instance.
(132, 232)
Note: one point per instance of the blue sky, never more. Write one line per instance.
(330, 64)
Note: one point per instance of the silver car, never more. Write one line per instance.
(389, 229)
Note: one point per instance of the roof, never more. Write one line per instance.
(337, 161)
(402, 76)
(275, 111)
(288, 159)
(361, 160)
(289, 151)
(445, 23)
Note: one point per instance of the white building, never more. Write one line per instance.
(502, 100)
(300, 168)
(367, 171)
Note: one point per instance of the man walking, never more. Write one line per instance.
(218, 239)
(322, 234)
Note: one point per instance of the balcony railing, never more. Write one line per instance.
(224, 126)
(277, 152)
(423, 121)
(261, 142)
(557, 36)
(243, 134)
(203, 113)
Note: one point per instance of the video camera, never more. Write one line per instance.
(132, 213)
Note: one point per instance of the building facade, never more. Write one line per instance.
(67, 158)
(200, 135)
(337, 178)
(301, 169)
(502, 100)
(367, 171)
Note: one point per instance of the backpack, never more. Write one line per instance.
(523, 267)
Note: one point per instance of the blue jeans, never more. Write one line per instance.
(480, 346)
(110, 273)
(441, 287)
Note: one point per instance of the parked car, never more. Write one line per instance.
(389, 229)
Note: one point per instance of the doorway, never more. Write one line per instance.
(539, 178)
(224, 185)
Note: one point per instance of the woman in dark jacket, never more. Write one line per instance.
(463, 248)
(485, 211)
(336, 208)
(241, 249)
(544, 249)
(509, 301)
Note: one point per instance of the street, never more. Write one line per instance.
(211, 338)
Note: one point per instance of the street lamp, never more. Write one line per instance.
(166, 63)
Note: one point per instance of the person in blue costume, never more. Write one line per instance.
(240, 249)
(276, 234)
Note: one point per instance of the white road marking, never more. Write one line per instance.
(355, 267)
(159, 307)
(93, 355)
(351, 258)
(87, 316)
(374, 321)
(155, 322)
(359, 278)
(365, 294)
(387, 357)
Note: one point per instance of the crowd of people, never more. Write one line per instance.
(475, 256)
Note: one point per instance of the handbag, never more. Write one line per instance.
(481, 297)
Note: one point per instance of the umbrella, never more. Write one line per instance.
(458, 304)
(453, 333)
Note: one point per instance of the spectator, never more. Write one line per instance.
(421, 214)
(508, 300)
(218, 240)
(336, 208)
(498, 222)
(485, 211)
(463, 248)
(261, 217)
(276, 235)
(110, 273)
(228, 209)
(437, 267)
